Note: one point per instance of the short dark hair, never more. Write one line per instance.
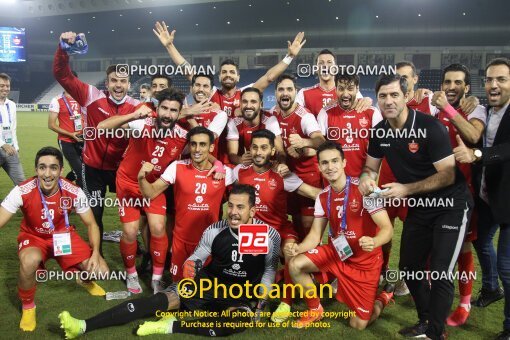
(206, 75)
(329, 145)
(325, 51)
(239, 189)
(229, 62)
(5, 77)
(252, 89)
(284, 76)
(199, 130)
(162, 76)
(498, 61)
(347, 78)
(458, 68)
(170, 94)
(264, 133)
(387, 79)
(145, 86)
(49, 151)
(406, 63)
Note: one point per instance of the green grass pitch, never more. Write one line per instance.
(53, 297)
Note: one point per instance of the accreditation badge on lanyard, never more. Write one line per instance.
(76, 118)
(61, 241)
(6, 129)
(340, 243)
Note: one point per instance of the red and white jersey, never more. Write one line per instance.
(424, 106)
(26, 197)
(271, 201)
(358, 221)
(479, 113)
(315, 98)
(228, 104)
(303, 123)
(240, 131)
(65, 121)
(198, 198)
(158, 151)
(99, 152)
(350, 129)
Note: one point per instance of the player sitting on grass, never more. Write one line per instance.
(46, 200)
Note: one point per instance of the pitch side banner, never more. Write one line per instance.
(25, 107)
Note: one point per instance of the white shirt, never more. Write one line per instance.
(9, 115)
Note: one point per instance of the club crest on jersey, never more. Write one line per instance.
(413, 147)
(154, 161)
(272, 184)
(363, 122)
(354, 205)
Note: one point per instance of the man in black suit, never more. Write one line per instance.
(491, 173)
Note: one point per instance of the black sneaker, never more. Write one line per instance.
(486, 297)
(505, 335)
(416, 331)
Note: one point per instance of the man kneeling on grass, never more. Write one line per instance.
(46, 200)
(227, 266)
(353, 254)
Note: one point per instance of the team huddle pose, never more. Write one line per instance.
(312, 156)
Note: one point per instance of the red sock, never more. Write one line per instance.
(466, 269)
(287, 280)
(159, 247)
(128, 252)
(313, 303)
(27, 297)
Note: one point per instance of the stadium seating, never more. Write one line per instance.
(55, 89)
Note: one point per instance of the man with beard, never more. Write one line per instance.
(101, 154)
(491, 173)
(271, 202)
(349, 128)
(240, 129)
(45, 226)
(317, 97)
(455, 85)
(156, 139)
(199, 195)
(219, 242)
(300, 134)
(425, 169)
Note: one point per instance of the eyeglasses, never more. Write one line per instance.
(499, 80)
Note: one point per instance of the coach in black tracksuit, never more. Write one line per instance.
(424, 167)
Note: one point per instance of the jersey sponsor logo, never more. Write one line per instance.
(103, 111)
(362, 310)
(199, 199)
(236, 266)
(385, 145)
(272, 184)
(350, 234)
(413, 147)
(154, 161)
(253, 239)
(363, 122)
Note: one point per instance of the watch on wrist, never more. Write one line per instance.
(478, 154)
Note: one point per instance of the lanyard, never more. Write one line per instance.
(343, 224)
(8, 114)
(67, 105)
(46, 210)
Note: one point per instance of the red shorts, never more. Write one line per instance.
(80, 249)
(300, 205)
(180, 253)
(356, 288)
(472, 233)
(131, 213)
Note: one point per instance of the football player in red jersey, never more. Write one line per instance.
(455, 85)
(157, 139)
(341, 123)
(357, 229)
(271, 201)
(320, 95)
(198, 195)
(240, 129)
(46, 200)
(301, 134)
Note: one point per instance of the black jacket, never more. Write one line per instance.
(496, 160)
